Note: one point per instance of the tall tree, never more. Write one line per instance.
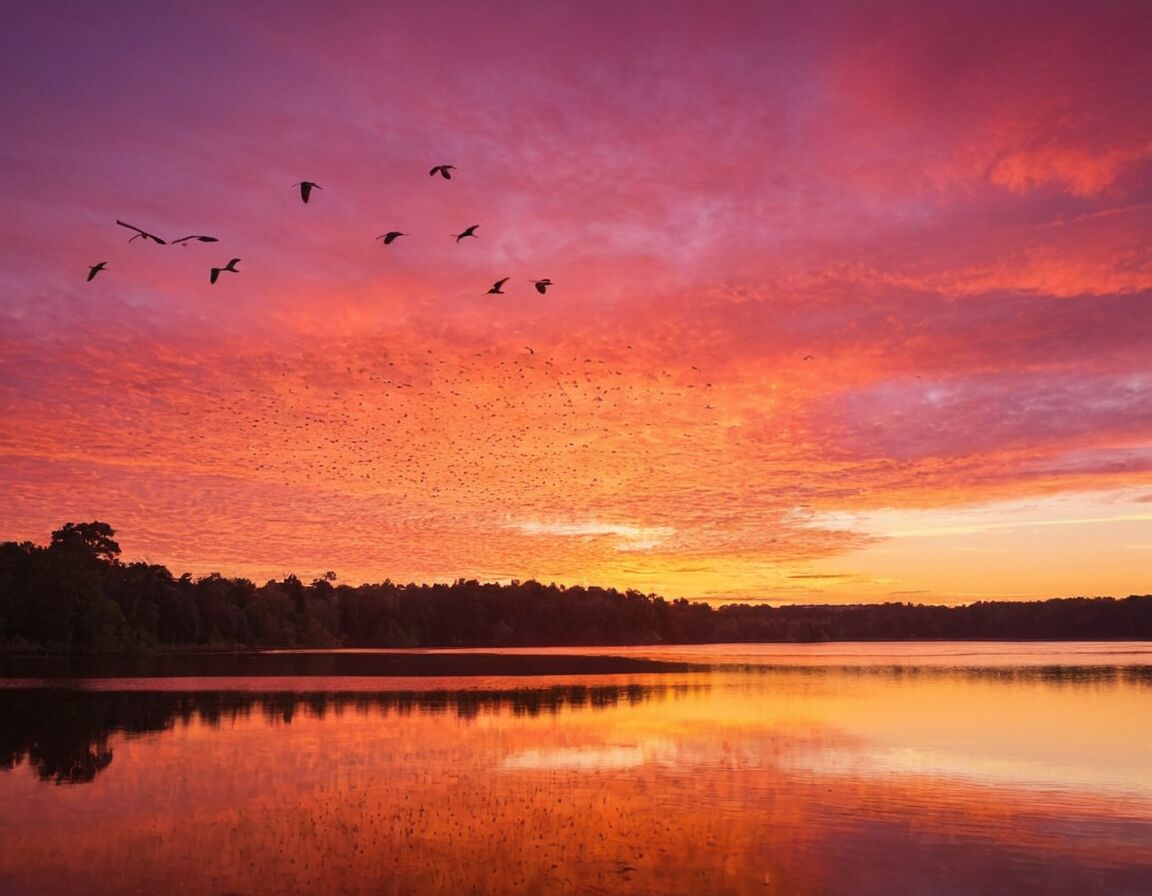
(95, 536)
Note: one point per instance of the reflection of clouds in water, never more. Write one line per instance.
(691, 751)
(828, 736)
(1018, 771)
(836, 754)
(658, 751)
(576, 758)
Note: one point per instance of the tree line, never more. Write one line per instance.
(74, 595)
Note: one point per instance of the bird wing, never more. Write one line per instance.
(540, 287)
(501, 281)
(143, 233)
(212, 276)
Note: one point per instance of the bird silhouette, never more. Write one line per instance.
(468, 231)
(542, 285)
(96, 269)
(496, 290)
(183, 241)
(231, 266)
(306, 188)
(443, 170)
(142, 233)
(390, 236)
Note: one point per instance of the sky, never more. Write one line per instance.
(851, 301)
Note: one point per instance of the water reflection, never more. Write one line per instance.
(760, 780)
(64, 734)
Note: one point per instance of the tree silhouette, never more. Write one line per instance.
(96, 537)
(76, 596)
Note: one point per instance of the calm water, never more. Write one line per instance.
(855, 769)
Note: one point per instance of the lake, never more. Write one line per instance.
(911, 768)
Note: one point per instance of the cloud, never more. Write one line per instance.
(943, 531)
(635, 538)
(1082, 171)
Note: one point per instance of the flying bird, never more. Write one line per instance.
(306, 188)
(443, 170)
(183, 241)
(142, 233)
(496, 290)
(542, 285)
(468, 231)
(231, 266)
(96, 269)
(390, 236)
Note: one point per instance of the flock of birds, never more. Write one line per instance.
(527, 407)
(519, 434)
(306, 188)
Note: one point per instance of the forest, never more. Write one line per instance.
(76, 596)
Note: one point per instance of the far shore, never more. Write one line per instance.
(322, 663)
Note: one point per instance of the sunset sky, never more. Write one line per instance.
(852, 300)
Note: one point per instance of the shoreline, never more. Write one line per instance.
(328, 665)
